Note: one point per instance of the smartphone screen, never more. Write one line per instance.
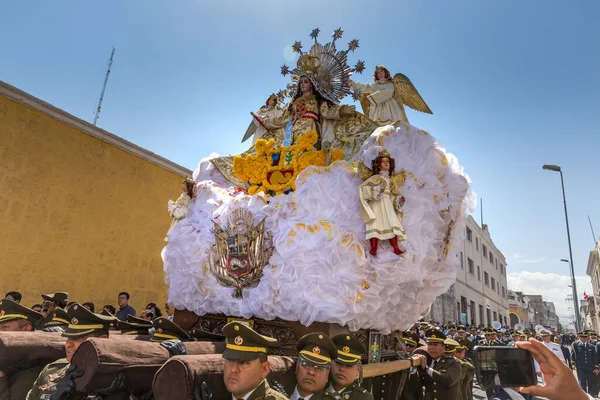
(504, 367)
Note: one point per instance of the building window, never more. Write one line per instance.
(473, 311)
(503, 292)
(492, 259)
(493, 284)
(470, 265)
(484, 250)
(476, 243)
(480, 314)
(501, 269)
(495, 316)
(462, 264)
(469, 234)
(478, 273)
(486, 278)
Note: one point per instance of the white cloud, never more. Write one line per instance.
(518, 258)
(552, 287)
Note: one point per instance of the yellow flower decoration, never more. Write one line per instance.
(273, 170)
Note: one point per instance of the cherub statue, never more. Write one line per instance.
(380, 204)
(384, 99)
(257, 128)
(178, 208)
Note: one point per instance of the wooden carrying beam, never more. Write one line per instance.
(385, 368)
(101, 360)
(18, 348)
(178, 376)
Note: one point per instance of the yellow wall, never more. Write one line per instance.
(78, 214)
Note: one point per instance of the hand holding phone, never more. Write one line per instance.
(560, 381)
(504, 367)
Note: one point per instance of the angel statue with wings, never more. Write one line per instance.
(257, 129)
(381, 202)
(384, 99)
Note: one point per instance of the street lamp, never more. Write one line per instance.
(556, 168)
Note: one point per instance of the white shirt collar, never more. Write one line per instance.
(296, 395)
(249, 393)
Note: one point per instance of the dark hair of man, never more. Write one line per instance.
(124, 294)
(36, 305)
(15, 295)
(263, 357)
(23, 323)
(90, 305)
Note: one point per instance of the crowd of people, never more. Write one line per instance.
(441, 364)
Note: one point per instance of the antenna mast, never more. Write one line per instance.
(99, 107)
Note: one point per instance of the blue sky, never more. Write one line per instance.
(512, 84)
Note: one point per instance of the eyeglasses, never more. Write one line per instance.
(318, 368)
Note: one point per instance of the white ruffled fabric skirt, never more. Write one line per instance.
(320, 270)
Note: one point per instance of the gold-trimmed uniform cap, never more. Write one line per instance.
(434, 336)
(59, 317)
(132, 328)
(83, 322)
(411, 339)
(317, 348)
(461, 329)
(350, 349)
(200, 335)
(168, 330)
(544, 333)
(60, 298)
(244, 343)
(451, 345)
(13, 311)
(140, 321)
(463, 343)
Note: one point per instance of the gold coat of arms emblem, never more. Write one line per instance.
(241, 251)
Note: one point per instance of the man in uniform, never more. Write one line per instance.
(583, 358)
(345, 369)
(466, 385)
(168, 330)
(442, 375)
(83, 324)
(412, 388)
(552, 346)
(246, 364)
(57, 321)
(315, 353)
(15, 384)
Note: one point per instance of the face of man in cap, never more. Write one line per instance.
(311, 378)
(435, 350)
(16, 325)
(344, 375)
(584, 339)
(241, 377)
(459, 353)
(72, 344)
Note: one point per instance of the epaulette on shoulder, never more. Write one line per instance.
(556, 343)
(361, 389)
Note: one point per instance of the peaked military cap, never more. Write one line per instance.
(12, 311)
(132, 328)
(59, 317)
(168, 330)
(451, 345)
(461, 329)
(350, 349)
(462, 343)
(434, 336)
(60, 298)
(544, 333)
(83, 322)
(583, 334)
(205, 336)
(140, 321)
(317, 348)
(244, 343)
(411, 339)
(106, 313)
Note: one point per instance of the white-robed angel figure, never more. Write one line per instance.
(380, 204)
(257, 128)
(178, 208)
(384, 99)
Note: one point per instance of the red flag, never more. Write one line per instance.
(585, 296)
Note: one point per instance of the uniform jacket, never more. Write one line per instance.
(265, 392)
(444, 384)
(469, 370)
(16, 386)
(583, 356)
(355, 392)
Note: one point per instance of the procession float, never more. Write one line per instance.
(333, 220)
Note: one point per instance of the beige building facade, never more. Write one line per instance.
(480, 294)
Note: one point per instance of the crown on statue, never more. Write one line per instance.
(384, 153)
(325, 66)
